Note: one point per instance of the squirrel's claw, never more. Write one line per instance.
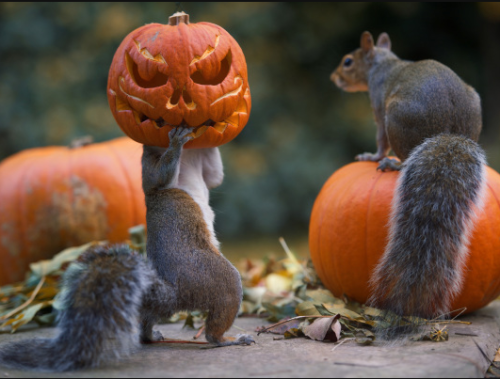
(388, 164)
(244, 339)
(180, 134)
(156, 336)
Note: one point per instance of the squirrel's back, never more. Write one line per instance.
(425, 98)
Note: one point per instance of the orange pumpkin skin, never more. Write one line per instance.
(163, 76)
(56, 197)
(349, 228)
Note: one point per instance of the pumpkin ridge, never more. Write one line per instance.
(321, 211)
(491, 295)
(318, 267)
(368, 209)
(351, 180)
(23, 206)
(20, 222)
(118, 158)
(346, 183)
(71, 190)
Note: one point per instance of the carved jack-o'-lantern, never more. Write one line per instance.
(189, 74)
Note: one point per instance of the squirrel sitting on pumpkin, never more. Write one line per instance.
(431, 119)
(113, 297)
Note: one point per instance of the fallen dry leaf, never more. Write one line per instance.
(324, 329)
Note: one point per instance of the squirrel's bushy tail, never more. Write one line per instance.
(439, 192)
(101, 299)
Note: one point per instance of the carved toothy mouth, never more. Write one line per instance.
(141, 118)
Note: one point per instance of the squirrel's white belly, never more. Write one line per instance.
(191, 180)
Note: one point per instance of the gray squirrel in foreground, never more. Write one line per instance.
(431, 120)
(113, 297)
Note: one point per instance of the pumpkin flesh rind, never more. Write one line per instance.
(349, 227)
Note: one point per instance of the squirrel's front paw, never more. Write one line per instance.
(180, 135)
(388, 164)
(368, 157)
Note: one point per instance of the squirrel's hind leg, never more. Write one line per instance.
(218, 323)
(159, 302)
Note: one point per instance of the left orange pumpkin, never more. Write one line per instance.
(56, 197)
(189, 74)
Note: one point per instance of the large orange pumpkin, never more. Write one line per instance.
(349, 227)
(193, 74)
(55, 197)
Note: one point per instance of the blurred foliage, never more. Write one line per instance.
(55, 59)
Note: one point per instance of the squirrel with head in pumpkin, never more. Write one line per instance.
(112, 297)
(431, 119)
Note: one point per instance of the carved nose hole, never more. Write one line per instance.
(176, 96)
(187, 98)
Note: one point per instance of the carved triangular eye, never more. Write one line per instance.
(158, 80)
(203, 77)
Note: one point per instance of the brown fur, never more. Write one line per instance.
(196, 276)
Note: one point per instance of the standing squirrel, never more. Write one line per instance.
(113, 297)
(431, 120)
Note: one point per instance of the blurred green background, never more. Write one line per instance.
(55, 57)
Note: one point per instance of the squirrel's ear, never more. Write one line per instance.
(384, 41)
(366, 42)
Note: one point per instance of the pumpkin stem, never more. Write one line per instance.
(178, 17)
(82, 141)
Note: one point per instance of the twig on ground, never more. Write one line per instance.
(265, 330)
(27, 302)
(341, 342)
(178, 341)
(198, 335)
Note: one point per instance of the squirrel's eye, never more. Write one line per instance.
(347, 62)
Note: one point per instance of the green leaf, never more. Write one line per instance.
(321, 296)
(189, 322)
(48, 319)
(323, 311)
(307, 308)
(293, 333)
(25, 316)
(7, 291)
(280, 312)
(364, 337)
